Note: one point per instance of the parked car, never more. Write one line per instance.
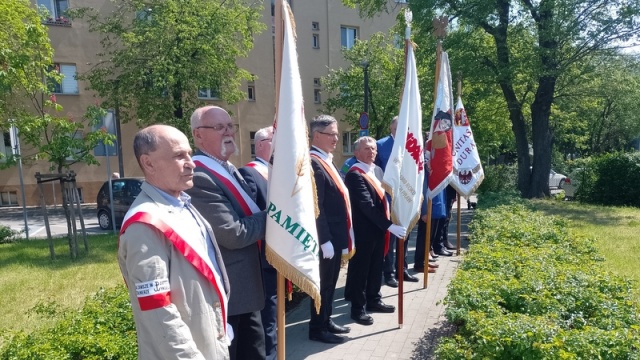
(557, 180)
(570, 187)
(125, 190)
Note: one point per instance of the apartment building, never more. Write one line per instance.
(323, 28)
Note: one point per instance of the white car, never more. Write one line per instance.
(557, 180)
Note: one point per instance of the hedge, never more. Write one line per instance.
(528, 289)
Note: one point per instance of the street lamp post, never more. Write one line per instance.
(365, 67)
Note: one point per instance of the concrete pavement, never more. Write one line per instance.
(423, 324)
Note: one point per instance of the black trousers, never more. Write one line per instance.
(248, 339)
(268, 314)
(421, 240)
(363, 276)
(329, 271)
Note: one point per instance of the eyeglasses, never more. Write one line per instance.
(222, 128)
(335, 135)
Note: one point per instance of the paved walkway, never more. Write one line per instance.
(423, 322)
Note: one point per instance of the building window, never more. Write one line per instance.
(208, 94)
(68, 84)
(316, 81)
(316, 96)
(315, 41)
(8, 198)
(57, 11)
(251, 92)
(348, 36)
(252, 141)
(5, 147)
(315, 26)
(348, 138)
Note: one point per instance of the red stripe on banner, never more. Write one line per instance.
(155, 301)
(385, 203)
(230, 186)
(185, 249)
(344, 196)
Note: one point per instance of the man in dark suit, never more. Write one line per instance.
(256, 174)
(333, 223)
(371, 225)
(222, 196)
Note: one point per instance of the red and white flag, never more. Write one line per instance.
(467, 169)
(291, 236)
(439, 150)
(404, 174)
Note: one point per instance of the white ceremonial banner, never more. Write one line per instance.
(404, 174)
(467, 169)
(291, 236)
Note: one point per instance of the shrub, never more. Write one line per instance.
(611, 179)
(529, 289)
(103, 329)
(499, 178)
(8, 235)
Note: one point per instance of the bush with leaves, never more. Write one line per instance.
(529, 289)
(499, 178)
(8, 235)
(103, 329)
(611, 179)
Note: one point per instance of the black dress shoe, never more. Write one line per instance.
(326, 337)
(380, 307)
(409, 277)
(362, 318)
(449, 246)
(444, 252)
(337, 329)
(391, 282)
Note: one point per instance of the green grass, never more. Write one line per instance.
(28, 277)
(614, 229)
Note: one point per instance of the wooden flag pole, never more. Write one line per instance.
(280, 308)
(427, 246)
(400, 276)
(458, 229)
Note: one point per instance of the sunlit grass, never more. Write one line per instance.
(615, 230)
(29, 277)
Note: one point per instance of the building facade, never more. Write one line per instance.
(323, 28)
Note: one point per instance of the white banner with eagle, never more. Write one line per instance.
(467, 169)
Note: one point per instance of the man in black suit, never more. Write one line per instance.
(371, 225)
(256, 174)
(335, 233)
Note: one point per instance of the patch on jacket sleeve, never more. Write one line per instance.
(153, 294)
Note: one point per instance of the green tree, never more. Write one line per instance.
(157, 55)
(385, 65)
(556, 35)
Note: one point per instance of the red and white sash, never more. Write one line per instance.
(214, 168)
(194, 252)
(377, 186)
(260, 167)
(337, 179)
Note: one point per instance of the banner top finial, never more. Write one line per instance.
(408, 16)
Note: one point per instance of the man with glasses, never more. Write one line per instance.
(335, 233)
(256, 174)
(222, 196)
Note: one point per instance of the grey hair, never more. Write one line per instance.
(263, 133)
(145, 142)
(196, 117)
(320, 122)
(365, 140)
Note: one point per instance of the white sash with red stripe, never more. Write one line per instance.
(260, 167)
(195, 252)
(377, 186)
(337, 179)
(214, 168)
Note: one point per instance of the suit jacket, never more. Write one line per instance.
(385, 145)
(259, 186)
(238, 237)
(332, 220)
(370, 222)
(191, 325)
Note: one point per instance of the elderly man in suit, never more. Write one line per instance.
(220, 193)
(169, 258)
(335, 233)
(372, 226)
(256, 174)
